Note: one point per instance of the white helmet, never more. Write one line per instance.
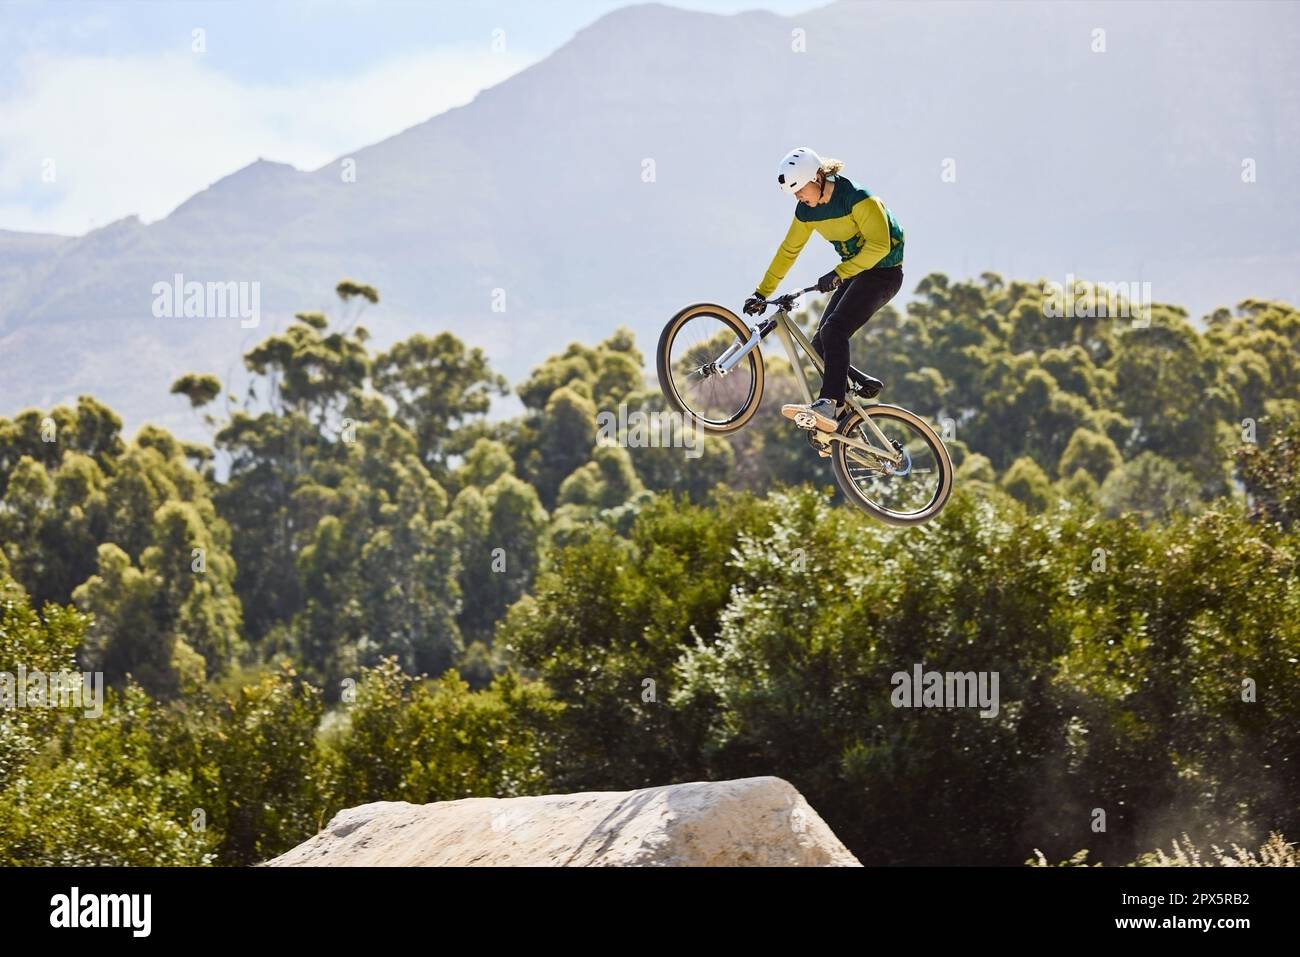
(798, 168)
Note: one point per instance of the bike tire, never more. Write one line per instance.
(839, 463)
(667, 386)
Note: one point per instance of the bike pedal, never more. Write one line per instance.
(805, 420)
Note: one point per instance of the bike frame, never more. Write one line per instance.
(790, 334)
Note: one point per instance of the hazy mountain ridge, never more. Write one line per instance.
(1123, 165)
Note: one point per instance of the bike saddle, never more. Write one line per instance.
(867, 386)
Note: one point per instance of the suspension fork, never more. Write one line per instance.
(738, 350)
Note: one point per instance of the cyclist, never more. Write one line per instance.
(870, 243)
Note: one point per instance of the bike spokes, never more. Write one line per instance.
(905, 487)
(706, 391)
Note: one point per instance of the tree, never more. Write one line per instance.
(1272, 475)
(454, 743)
(1093, 452)
(1028, 483)
(436, 385)
(486, 461)
(1172, 387)
(46, 643)
(568, 426)
(200, 389)
(1151, 485)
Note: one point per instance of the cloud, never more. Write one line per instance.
(140, 135)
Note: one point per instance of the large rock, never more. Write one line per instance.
(759, 821)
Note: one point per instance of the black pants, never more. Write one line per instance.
(852, 304)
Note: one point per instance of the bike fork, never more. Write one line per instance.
(737, 351)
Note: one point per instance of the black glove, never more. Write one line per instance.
(828, 281)
(755, 305)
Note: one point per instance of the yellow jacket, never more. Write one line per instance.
(859, 226)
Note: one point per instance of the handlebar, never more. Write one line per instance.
(786, 301)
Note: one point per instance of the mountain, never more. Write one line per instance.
(1121, 166)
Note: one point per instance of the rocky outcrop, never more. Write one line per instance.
(757, 822)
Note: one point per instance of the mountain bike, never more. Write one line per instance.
(888, 461)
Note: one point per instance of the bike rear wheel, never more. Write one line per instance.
(689, 349)
(908, 494)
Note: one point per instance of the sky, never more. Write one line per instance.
(112, 109)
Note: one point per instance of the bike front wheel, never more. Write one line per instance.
(690, 349)
(908, 493)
